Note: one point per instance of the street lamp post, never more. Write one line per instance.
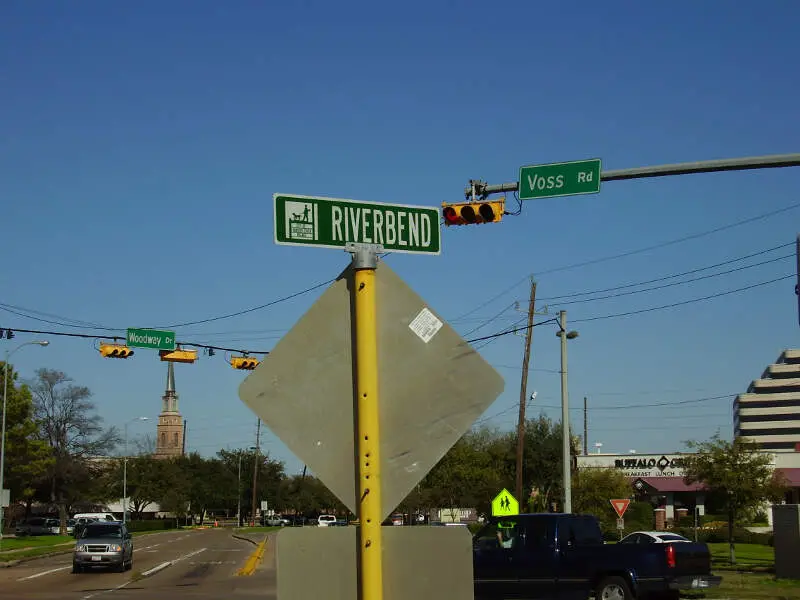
(3, 433)
(566, 451)
(125, 470)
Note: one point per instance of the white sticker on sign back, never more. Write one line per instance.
(425, 325)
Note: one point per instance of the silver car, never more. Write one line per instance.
(103, 544)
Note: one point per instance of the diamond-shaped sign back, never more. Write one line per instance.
(431, 392)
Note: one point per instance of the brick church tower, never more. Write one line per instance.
(169, 433)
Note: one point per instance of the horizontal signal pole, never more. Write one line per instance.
(774, 161)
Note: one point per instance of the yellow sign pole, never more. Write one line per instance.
(368, 427)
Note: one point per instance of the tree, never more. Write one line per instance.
(74, 433)
(738, 472)
(471, 473)
(270, 475)
(145, 444)
(27, 457)
(147, 482)
(592, 488)
(542, 461)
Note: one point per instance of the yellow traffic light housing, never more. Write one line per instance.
(244, 362)
(472, 213)
(115, 351)
(179, 355)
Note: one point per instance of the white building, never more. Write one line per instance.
(769, 412)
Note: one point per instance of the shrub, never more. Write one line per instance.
(151, 525)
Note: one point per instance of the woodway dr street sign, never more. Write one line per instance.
(150, 338)
(333, 223)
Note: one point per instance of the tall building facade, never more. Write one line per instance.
(769, 412)
(169, 432)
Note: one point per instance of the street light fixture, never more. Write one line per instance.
(42, 343)
(566, 454)
(125, 470)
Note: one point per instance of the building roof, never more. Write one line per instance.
(670, 484)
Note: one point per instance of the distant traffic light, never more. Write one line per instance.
(247, 363)
(179, 355)
(115, 351)
(469, 213)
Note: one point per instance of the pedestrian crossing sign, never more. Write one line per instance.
(504, 505)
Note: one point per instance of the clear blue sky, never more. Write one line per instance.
(140, 147)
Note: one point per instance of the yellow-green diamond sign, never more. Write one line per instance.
(504, 505)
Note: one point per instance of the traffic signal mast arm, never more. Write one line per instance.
(480, 189)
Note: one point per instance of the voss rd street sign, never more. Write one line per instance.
(559, 179)
(333, 223)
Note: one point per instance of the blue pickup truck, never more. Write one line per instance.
(563, 556)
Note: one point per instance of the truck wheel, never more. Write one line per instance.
(613, 588)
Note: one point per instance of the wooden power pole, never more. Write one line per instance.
(523, 394)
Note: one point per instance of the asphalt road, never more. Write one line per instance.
(200, 564)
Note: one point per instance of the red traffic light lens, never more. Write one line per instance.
(450, 214)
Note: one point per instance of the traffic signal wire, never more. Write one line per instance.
(94, 336)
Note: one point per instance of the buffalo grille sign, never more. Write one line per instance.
(650, 466)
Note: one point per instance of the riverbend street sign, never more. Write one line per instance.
(333, 223)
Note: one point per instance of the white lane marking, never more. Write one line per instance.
(169, 563)
(156, 569)
(35, 575)
(114, 589)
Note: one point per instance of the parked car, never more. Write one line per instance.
(35, 526)
(325, 520)
(653, 537)
(103, 544)
(563, 555)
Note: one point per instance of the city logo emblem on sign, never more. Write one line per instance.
(302, 221)
(504, 505)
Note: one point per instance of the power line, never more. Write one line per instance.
(668, 277)
(490, 320)
(684, 302)
(508, 331)
(665, 244)
(676, 283)
(252, 308)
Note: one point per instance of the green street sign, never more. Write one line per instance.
(559, 179)
(504, 505)
(151, 338)
(333, 223)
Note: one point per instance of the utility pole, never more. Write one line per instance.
(566, 450)
(255, 467)
(239, 493)
(585, 428)
(523, 393)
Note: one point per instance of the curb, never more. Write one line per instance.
(244, 539)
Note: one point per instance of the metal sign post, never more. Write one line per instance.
(365, 261)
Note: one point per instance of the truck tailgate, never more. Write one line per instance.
(690, 559)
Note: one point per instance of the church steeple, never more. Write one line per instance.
(169, 436)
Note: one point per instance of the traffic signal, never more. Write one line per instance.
(179, 355)
(469, 213)
(244, 362)
(115, 351)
